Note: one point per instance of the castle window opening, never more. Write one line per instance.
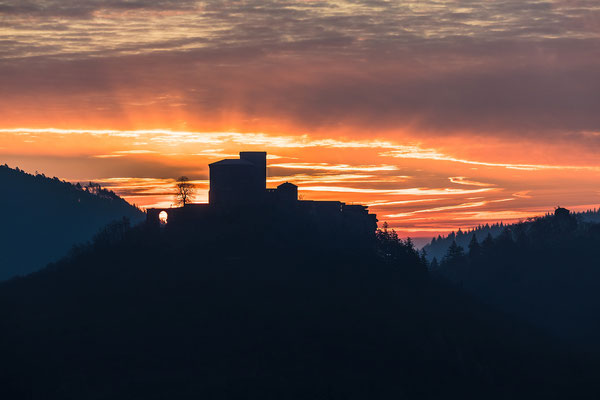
(163, 217)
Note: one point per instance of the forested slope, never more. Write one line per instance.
(545, 271)
(212, 312)
(42, 218)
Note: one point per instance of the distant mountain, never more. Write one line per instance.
(253, 308)
(544, 271)
(439, 245)
(42, 218)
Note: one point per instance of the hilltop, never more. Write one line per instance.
(42, 218)
(217, 312)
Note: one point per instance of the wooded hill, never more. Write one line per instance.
(215, 312)
(42, 218)
(544, 271)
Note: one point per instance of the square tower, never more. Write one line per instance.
(258, 158)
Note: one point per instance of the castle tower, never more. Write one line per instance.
(239, 181)
(258, 158)
(287, 193)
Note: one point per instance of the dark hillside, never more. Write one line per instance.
(216, 313)
(42, 218)
(545, 271)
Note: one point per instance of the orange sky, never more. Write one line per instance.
(418, 190)
(438, 114)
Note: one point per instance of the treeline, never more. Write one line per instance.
(41, 179)
(592, 215)
(43, 217)
(391, 248)
(545, 271)
(439, 245)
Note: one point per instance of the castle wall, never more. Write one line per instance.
(232, 184)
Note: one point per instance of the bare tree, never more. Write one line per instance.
(185, 191)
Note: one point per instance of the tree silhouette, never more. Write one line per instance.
(474, 249)
(184, 191)
(455, 255)
(423, 257)
(400, 252)
(487, 245)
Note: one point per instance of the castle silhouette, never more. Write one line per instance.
(238, 186)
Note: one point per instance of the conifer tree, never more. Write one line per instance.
(423, 258)
(455, 255)
(487, 244)
(474, 249)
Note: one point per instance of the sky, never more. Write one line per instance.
(438, 114)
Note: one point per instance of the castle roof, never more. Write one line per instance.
(286, 185)
(231, 161)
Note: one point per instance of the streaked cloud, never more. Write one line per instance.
(323, 178)
(171, 138)
(137, 151)
(398, 192)
(461, 180)
(336, 167)
(107, 155)
(431, 154)
(512, 68)
(447, 208)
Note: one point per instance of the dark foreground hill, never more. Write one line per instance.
(42, 218)
(545, 271)
(263, 313)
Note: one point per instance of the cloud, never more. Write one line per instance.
(137, 151)
(335, 167)
(461, 180)
(398, 192)
(160, 141)
(86, 8)
(505, 68)
(437, 209)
